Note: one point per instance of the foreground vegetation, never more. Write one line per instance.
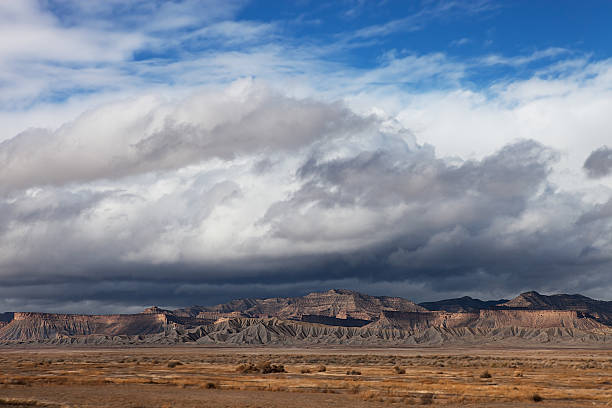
(208, 377)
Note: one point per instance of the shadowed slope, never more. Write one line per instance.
(462, 304)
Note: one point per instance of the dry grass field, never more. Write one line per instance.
(338, 377)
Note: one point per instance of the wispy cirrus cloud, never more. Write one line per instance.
(430, 11)
(53, 50)
(524, 59)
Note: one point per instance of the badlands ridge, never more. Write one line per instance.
(339, 317)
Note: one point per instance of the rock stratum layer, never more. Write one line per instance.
(336, 317)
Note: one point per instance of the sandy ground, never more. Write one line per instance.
(211, 377)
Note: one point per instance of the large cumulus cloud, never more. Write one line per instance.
(144, 135)
(247, 192)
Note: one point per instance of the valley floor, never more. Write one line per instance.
(317, 377)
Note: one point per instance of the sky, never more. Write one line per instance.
(188, 152)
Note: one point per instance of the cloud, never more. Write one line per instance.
(547, 53)
(145, 135)
(418, 20)
(248, 191)
(408, 175)
(103, 46)
(141, 14)
(599, 163)
(460, 42)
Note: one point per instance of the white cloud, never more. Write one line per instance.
(523, 59)
(115, 169)
(431, 11)
(145, 134)
(460, 42)
(29, 34)
(92, 47)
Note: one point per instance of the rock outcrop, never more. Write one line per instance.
(336, 303)
(598, 309)
(44, 326)
(333, 317)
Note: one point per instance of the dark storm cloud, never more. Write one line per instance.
(415, 221)
(284, 197)
(436, 195)
(599, 162)
(495, 223)
(599, 213)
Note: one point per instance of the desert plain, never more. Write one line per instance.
(197, 376)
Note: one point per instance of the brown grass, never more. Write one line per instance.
(451, 377)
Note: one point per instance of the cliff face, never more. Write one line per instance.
(598, 309)
(333, 317)
(416, 321)
(489, 319)
(335, 303)
(344, 304)
(43, 326)
(542, 319)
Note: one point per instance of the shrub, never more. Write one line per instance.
(486, 374)
(353, 372)
(210, 385)
(267, 368)
(263, 367)
(399, 370)
(16, 381)
(174, 363)
(305, 370)
(321, 369)
(427, 399)
(536, 397)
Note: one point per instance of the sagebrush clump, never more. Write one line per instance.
(264, 367)
(399, 370)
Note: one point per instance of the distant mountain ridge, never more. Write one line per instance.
(339, 304)
(337, 316)
(462, 304)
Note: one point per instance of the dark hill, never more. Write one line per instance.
(599, 309)
(463, 304)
